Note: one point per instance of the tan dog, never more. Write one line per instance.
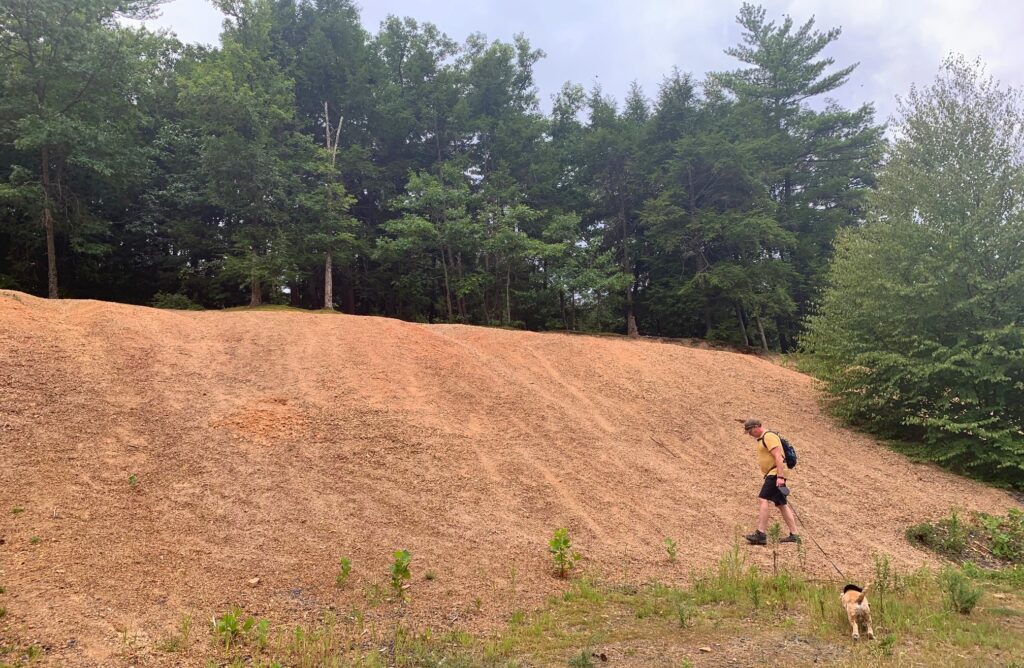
(857, 610)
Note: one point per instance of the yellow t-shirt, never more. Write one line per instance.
(765, 459)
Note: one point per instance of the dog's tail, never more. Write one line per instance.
(863, 593)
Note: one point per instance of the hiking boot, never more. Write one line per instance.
(791, 538)
(757, 538)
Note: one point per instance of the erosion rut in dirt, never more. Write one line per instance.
(268, 444)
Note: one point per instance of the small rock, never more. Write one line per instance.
(705, 649)
(254, 581)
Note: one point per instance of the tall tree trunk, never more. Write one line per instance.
(743, 327)
(760, 330)
(707, 321)
(51, 245)
(508, 296)
(461, 299)
(332, 148)
(483, 307)
(631, 329)
(783, 344)
(255, 293)
(328, 282)
(447, 290)
(350, 296)
(561, 304)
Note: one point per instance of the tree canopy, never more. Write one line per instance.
(920, 332)
(307, 160)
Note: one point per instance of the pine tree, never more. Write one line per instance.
(818, 165)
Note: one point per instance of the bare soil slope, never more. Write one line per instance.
(268, 444)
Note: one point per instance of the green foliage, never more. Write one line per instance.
(400, 572)
(670, 547)
(961, 595)
(232, 627)
(176, 302)
(133, 481)
(918, 335)
(886, 579)
(178, 641)
(774, 539)
(947, 536)
(985, 537)
(1005, 534)
(344, 570)
(228, 626)
(306, 160)
(72, 113)
(917, 622)
(560, 547)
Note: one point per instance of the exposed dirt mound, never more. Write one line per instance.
(268, 444)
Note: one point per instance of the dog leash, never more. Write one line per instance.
(827, 558)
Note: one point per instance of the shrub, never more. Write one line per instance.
(400, 571)
(176, 302)
(923, 533)
(1005, 534)
(961, 595)
(670, 547)
(228, 626)
(344, 570)
(918, 333)
(560, 547)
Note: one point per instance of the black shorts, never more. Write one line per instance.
(770, 492)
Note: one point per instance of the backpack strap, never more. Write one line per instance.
(760, 440)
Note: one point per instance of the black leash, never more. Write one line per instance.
(827, 558)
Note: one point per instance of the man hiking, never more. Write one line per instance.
(773, 490)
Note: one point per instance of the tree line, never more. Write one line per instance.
(308, 161)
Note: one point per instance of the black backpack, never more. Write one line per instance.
(788, 451)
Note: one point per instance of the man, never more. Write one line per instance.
(773, 490)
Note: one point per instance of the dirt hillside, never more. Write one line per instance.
(268, 444)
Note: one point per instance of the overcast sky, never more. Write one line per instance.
(614, 42)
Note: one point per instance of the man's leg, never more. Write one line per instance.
(787, 514)
(764, 508)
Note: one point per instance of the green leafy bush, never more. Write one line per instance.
(175, 302)
(1005, 534)
(233, 626)
(987, 539)
(344, 570)
(918, 333)
(670, 547)
(961, 595)
(400, 571)
(562, 553)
